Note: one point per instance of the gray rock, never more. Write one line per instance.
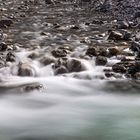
(46, 60)
(25, 69)
(118, 68)
(115, 35)
(75, 65)
(61, 70)
(5, 22)
(101, 60)
(91, 51)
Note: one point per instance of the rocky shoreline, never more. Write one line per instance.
(70, 37)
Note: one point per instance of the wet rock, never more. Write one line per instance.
(135, 46)
(59, 53)
(75, 65)
(119, 68)
(91, 51)
(97, 22)
(137, 75)
(75, 27)
(34, 55)
(25, 69)
(49, 1)
(115, 35)
(2, 64)
(133, 69)
(113, 51)
(136, 15)
(46, 60)
(5, 22)
(123, 25)
(103, 52)
(101, 60)
(61, 70)
(3, 46)
(29, 88)
(127, 35)
(10, 57)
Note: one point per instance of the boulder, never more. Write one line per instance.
(101, 60)
(25, 69)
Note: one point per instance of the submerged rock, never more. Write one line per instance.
(25, 69)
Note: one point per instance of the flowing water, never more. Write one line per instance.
(75, 106)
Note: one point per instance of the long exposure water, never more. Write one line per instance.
(75, 106)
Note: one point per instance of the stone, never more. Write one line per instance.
(118, 68)
(3, 46)
(25, 69)
(134, 68)
(115, 35)
(10, 57)
(61, 70)
(135, 46)
(113, 51)
(5, 22)
(59, 53)
(75, 65)
(91, 51)
(46, 60)
(100, 60)
(103, 52)
(49, 1)
(123, 25)
(137, 15)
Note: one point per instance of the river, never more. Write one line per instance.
(73, 106)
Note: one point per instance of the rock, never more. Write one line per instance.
(5, 22)
(133, 69)
(97, 22)
(113, 51)
(137, 75)
(118, 68)
(59, 53)
(3, 46)
(136, 15)
(75, 65)
(32, 87)
(34, 55)
(115, 35)
(25, 69)
(10, 57)
(2, 64)
(61, 70)
(49, 1)
(91, 51)
(127, 35)
(135, 46)
(101, 60)
(103, 52)
(46, 60)
(123, 25)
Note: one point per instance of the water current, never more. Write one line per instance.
(75, 106)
